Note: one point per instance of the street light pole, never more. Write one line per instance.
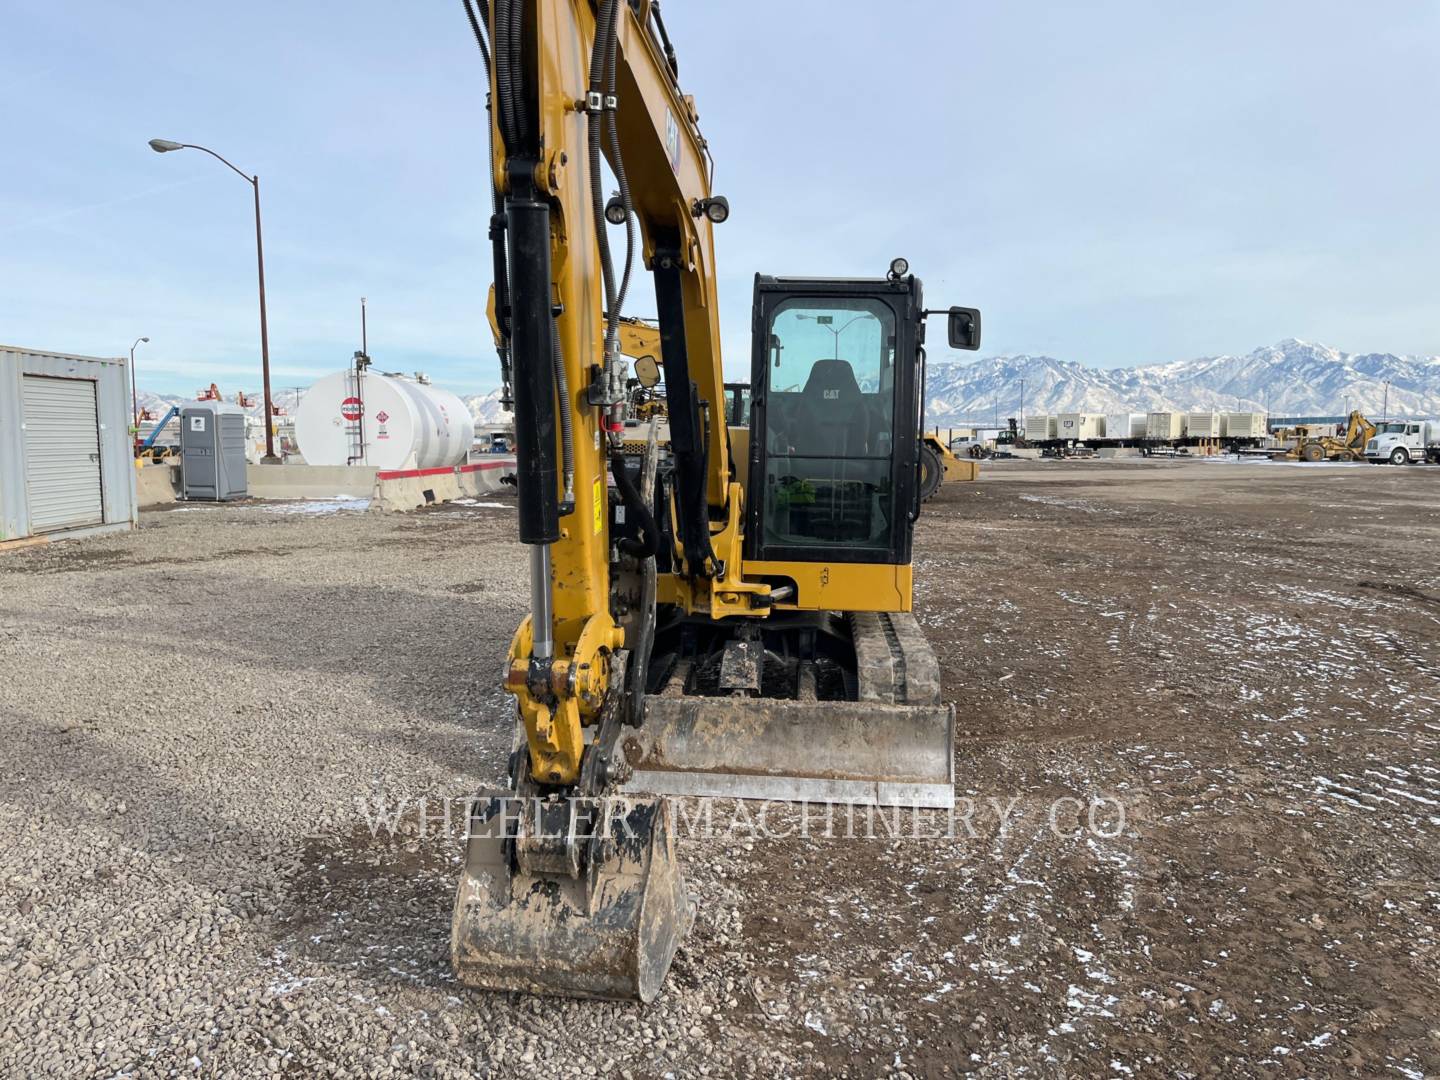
(833, 331)
(134, 394)
(269, 458)
(164, 146)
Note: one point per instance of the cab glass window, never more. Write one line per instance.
(829, 422)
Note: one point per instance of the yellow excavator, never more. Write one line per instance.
(736, 624)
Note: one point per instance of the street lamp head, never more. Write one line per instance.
(164, 146)
(146, 340)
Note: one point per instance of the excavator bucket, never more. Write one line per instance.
(600, 917)
(893, 746)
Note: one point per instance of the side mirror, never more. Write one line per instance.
(964, 328)
(647, 371)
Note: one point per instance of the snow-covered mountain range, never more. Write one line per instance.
(1291, 378)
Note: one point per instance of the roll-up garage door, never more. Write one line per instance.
(62, 453)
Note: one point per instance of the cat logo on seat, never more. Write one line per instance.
(832, 395)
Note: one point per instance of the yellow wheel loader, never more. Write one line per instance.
(938, 466)
(735, 623)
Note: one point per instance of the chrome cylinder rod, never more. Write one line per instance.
(543, 642)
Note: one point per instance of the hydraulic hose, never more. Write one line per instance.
(497, 222)
(479, 34)
(514, 130)
(517, 75)
(649, 545)
(613, 141)
(670, 57)
(598, 54)
(567, 435)
(504, 88)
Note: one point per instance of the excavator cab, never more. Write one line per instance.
(835, 420)
(833, 693)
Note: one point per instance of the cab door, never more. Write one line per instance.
(834, 421)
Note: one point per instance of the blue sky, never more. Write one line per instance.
(1113, 183)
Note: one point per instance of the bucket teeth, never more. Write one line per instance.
(609, 931)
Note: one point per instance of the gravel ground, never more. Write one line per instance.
(204, 719)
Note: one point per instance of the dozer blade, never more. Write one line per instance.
(895, 746)
(609, 930)
(826, 751)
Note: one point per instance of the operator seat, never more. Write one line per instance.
(833, 410)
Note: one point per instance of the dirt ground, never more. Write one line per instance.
(1198, 709)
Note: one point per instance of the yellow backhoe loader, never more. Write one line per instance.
(735, 624)
(1347, 447)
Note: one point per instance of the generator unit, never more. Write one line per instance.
(1244, 425)
(1203, 425)
(1125, 425)
(1040, 428)
(1167, 426)
(1080, 426)
(212, 451)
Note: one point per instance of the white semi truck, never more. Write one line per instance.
(1401, 442)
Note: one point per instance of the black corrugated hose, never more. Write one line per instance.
(649, 545)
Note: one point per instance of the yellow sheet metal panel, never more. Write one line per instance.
(840, 586)
(961, 470)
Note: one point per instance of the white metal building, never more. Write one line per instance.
(66, 463)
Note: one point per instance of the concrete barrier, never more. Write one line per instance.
(310, 481)
(155, 485)
(410, 489)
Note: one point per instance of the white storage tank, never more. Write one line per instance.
(1202, 425)
(1069, 425)
(1040, 428)
(1125, 425)
(1244, 425)
(1164, 425)
(387, 420)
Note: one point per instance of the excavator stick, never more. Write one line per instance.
(606, 927)
(894, 745)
